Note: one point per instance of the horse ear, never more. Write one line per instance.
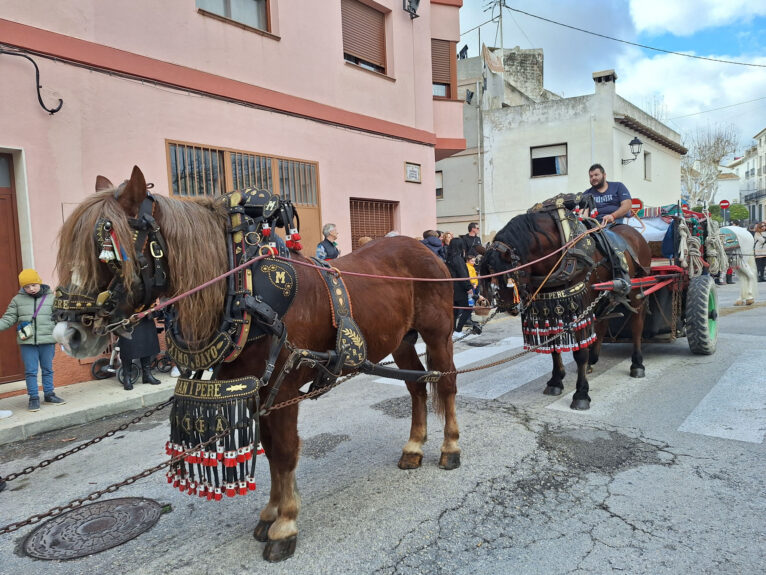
(133, 193)
(103, 183)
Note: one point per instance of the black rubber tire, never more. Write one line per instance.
(97, 369)
(134, 373)
(702, 315)
(163, 364)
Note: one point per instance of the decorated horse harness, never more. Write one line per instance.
(561, 305)
(223, 415)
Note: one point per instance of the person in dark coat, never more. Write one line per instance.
(144, 344)
(457, 268)
(328, 249)
(432, 242)
(472, 240)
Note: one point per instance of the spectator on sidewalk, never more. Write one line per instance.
(30, 311)
(472, 239)
(143, 345)
(760, 250)
(432, 241)
(327, 249)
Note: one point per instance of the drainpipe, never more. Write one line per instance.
(480, 159)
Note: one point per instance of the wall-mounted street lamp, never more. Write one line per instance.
(635, 149)
(411, 7)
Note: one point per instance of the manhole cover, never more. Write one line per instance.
(92, 528)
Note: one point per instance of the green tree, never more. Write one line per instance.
(715, 212)
(738, 212)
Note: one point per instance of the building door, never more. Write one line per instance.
(372, 218)
(11, 366)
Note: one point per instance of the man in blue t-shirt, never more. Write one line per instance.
(612, 199)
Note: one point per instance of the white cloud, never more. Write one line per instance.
(685, 85)
(685, 17)
(689, 86)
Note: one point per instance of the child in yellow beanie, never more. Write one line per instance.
(30, 311)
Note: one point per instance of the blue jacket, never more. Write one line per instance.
(435, 245)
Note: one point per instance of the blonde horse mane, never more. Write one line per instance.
(196, 242)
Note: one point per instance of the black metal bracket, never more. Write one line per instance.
(51, 111)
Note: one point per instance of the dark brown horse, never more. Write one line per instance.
(385, 311)
(529, 237)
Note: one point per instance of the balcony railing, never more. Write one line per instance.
(754, 197)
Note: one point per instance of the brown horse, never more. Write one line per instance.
(385, 311)
(529, 237)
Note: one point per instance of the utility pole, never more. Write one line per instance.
(501, 3)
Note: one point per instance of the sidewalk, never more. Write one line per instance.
(85, 402)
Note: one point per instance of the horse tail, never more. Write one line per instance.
(436, 400)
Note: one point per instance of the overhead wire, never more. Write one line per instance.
(716, 109)
(719, 60)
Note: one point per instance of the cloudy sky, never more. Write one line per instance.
(690, 93)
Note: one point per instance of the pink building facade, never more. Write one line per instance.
(330, 103)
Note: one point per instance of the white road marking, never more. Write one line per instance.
(466, 357)
(735, 408)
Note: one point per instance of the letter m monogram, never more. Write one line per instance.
(279, 277)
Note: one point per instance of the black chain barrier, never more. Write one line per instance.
(75, 503)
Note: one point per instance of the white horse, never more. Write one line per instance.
(740, 249)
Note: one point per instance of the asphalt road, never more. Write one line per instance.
(662, 475)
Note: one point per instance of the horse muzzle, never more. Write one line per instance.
(77, 340)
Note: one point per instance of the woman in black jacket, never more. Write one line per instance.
(456, 263)
(144, 345)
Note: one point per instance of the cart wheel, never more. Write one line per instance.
(702, 315)
(134, 371)
(97, 368)
(164, 364)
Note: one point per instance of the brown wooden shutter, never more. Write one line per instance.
(441, 60)
(364, 32)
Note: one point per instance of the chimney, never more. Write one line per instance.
(605, 80)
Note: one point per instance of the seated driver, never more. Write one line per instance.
(612, 199)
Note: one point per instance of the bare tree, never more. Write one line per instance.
(700, 167)
(656, 107)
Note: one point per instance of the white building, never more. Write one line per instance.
(750, 167)
(536, 145)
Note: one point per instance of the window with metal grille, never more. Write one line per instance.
(202, 171)
(443, 67)
(373, 218)
(251, 171)
(196, 170)
(297, 180)
(364, 35)
(252, 13)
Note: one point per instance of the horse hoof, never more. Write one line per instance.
(749, 301)
(551, 390)
(589, 369)
(261, 532)
(739, 303)
(410, 460)
(637, 372)
(449, 461)
(280, 549)
(580, 404)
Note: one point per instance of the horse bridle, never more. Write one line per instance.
(101, 310)
(509, 255)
